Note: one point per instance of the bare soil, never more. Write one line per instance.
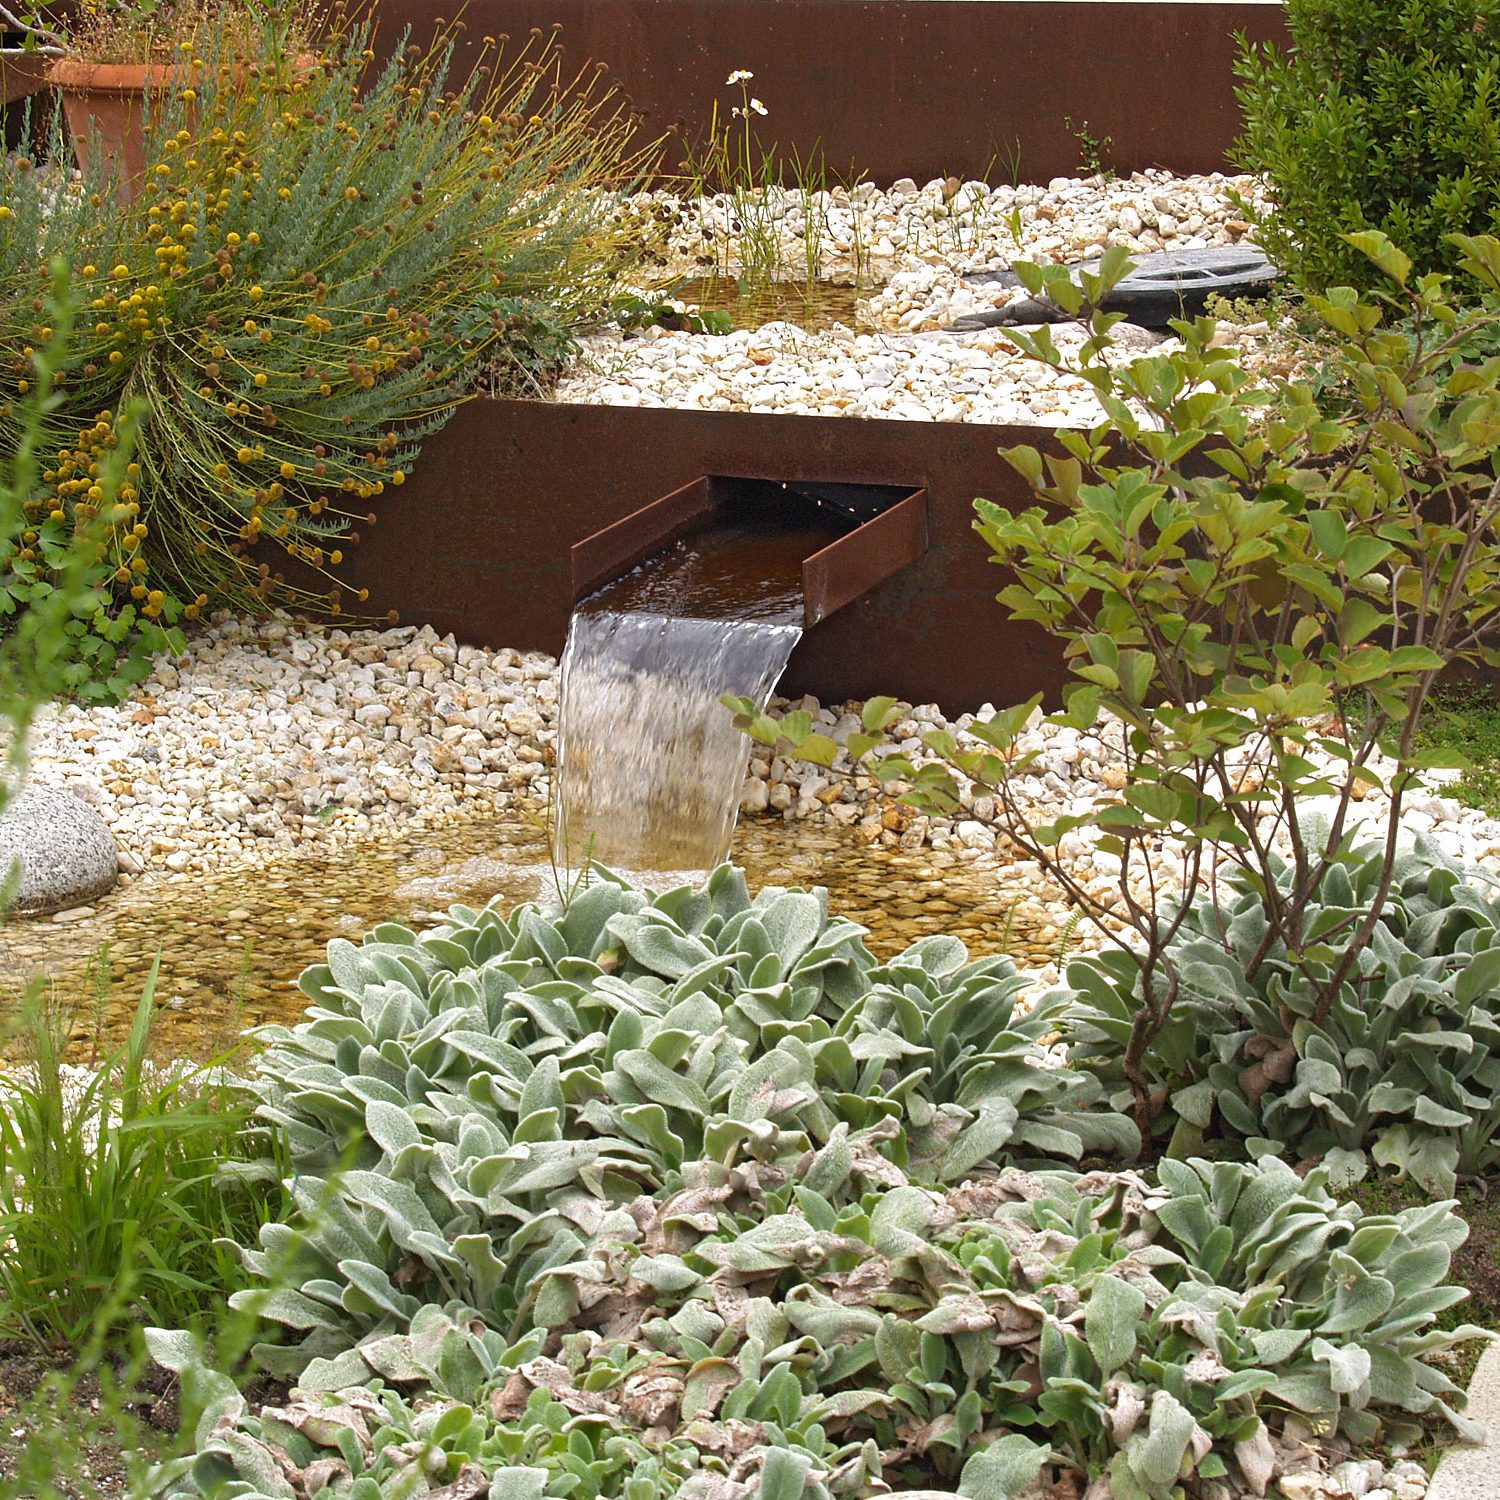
(70, 1436)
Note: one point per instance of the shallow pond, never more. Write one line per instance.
(815, 305)
(233, 944)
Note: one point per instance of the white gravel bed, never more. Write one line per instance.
(918, 242)
(1073, 772)
(978, 377)
(1069, 220)
(269, 738)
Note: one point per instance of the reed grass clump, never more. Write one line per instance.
(749, 192)
(119, 1183)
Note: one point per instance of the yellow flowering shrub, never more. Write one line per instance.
(297, 296)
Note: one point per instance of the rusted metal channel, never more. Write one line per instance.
(605, 555)
(893, 537)
(908, 88)
(861, 561)
(480, 540)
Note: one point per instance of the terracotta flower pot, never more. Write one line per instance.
(106, 106)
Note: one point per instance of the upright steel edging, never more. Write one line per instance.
(994, 89)
(480, 541)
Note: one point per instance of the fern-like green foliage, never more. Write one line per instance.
(1384, 115)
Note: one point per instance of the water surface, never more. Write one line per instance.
(815, 306)
(232, 944)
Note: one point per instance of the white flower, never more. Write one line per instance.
(758, 107)
(740, 75)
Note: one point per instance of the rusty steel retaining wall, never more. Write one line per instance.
(911, 88)
(479, 541)
(894, 88)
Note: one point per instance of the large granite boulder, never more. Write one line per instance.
(64, 849)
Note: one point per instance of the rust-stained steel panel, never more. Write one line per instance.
(831, 578)
(869, 555)
(21, 77)
(479, 541)
(606, 554)
(918, 88)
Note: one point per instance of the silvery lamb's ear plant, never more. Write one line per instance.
(1401, 1072)
(690, 1197)
(1256, 593)
(741, 1337)
(467, 1109)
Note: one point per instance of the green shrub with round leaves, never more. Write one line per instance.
(1385, 114)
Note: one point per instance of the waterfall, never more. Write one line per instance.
(650, 765)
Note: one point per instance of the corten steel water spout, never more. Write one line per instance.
(888, 532)
(703, 593)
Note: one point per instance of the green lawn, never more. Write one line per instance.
(1467, 718)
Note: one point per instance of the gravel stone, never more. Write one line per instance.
(939, 258)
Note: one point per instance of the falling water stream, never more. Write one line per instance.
(650, 764)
